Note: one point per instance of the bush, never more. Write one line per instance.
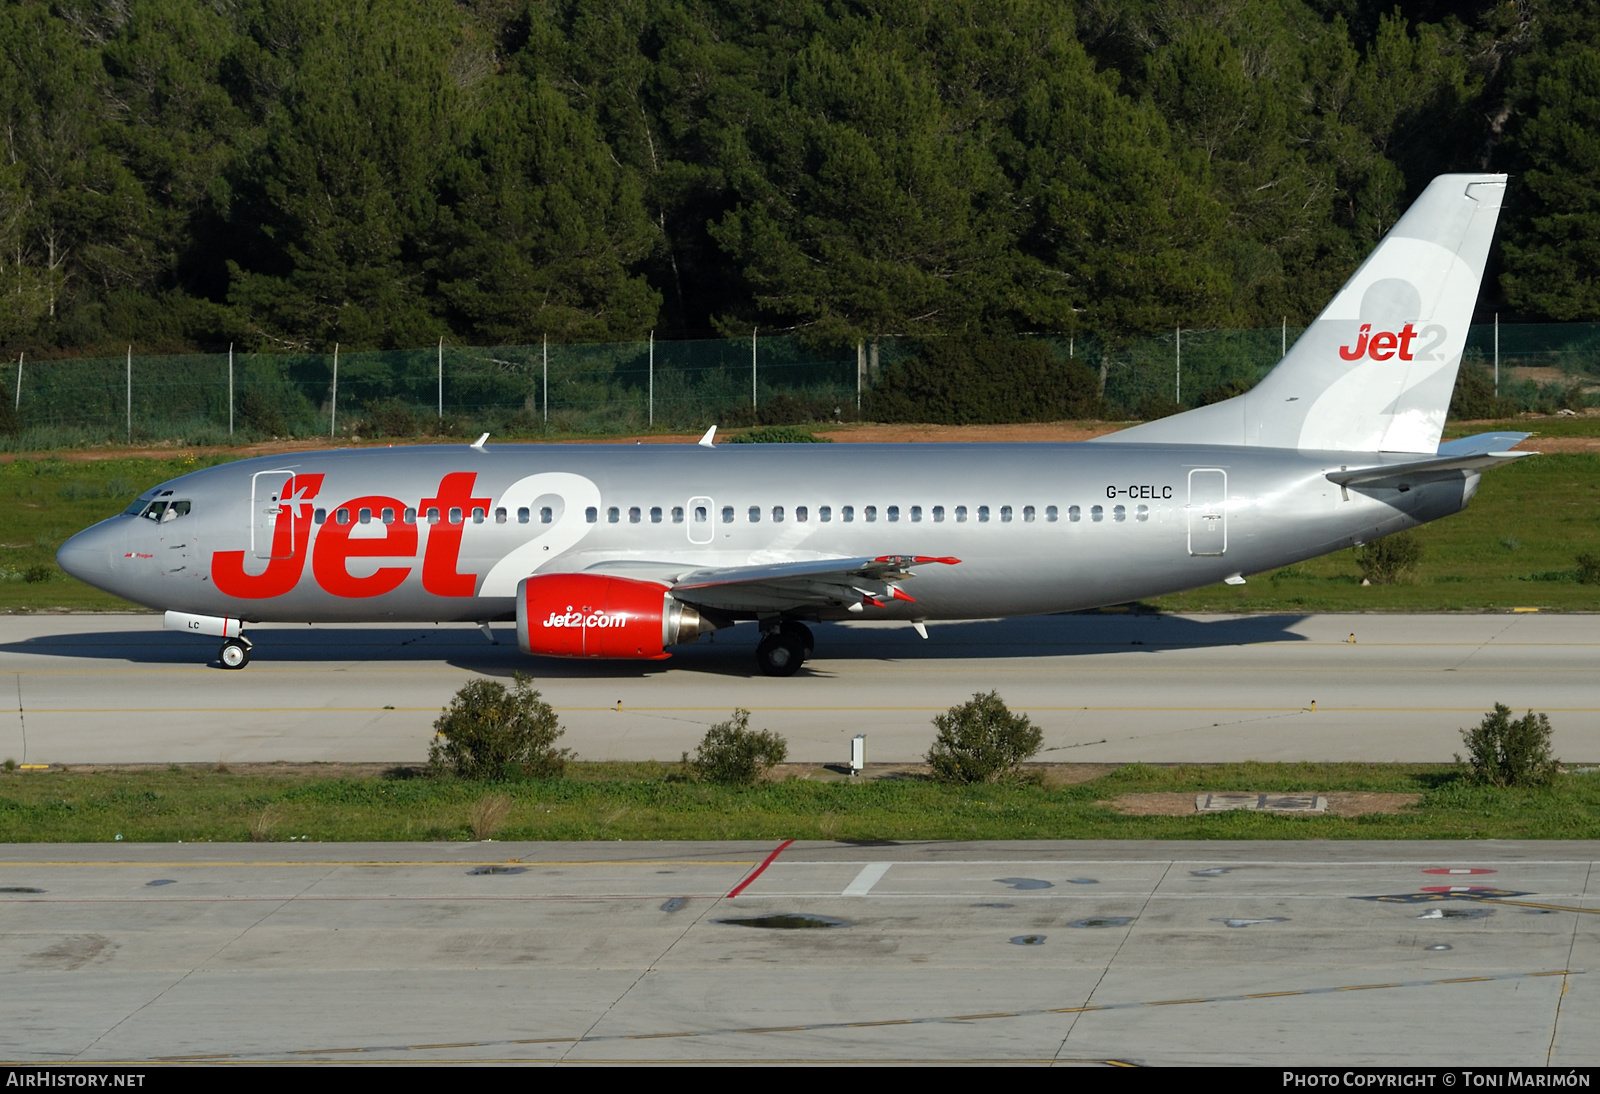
(1390, 559)
(778, 434)
(488, 732)
(732, 752)
(981, 741)
(39, 573)
(967, 381)
(1589, 569)
(1501, 752)
(389, 418)
(258, 412)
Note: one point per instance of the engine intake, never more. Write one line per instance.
(592, 615)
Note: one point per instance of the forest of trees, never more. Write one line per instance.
(289, 173)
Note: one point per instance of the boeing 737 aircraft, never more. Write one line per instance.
(625, 551)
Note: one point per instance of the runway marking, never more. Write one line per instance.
(759, 870)
(870, 875)
(813, 1027)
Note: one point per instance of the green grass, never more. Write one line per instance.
(1515, 546)
(652, 801)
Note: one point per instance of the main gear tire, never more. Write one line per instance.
(780, 654)
(234, 654)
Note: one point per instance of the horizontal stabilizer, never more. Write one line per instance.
(1403, 475)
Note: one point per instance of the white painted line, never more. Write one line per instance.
(870, 875)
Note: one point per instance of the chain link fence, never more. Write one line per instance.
(638, 386)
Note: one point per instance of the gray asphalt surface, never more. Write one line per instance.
(1104, 688)
(1255, 953)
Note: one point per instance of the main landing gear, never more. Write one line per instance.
(784, 650)
(235, 653)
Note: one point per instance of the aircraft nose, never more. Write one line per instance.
(88, 555)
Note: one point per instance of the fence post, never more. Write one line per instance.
(130, 394)
(230, 389)
(752, 368)
(19, 381)
(547, 381)
(1283, 339)
(652, 379)
(861, 367)
(1177, 341)
(1496, 359)
(333, 413)
(441, 377)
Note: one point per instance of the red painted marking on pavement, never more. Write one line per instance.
(1454, 888)
(1459, 870)
(739, 888)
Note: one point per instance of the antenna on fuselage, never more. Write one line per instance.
(705, 442)
(478, 444)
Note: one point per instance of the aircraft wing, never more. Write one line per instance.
(1480, 443)
(850, 583)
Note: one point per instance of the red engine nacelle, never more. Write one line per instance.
(591, 615)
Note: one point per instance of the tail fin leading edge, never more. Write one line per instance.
(1375, 371)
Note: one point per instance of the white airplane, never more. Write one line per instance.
(624, 551)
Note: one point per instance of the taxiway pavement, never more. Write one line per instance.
(1008, 952)
(1103, 687)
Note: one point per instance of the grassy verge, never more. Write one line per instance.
(653, 801)
(1515, 546)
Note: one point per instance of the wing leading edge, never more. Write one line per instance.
(850, 583)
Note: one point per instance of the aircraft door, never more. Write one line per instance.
(701, 517)
(1208, 511)
(266, 503)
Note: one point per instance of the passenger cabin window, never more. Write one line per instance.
(341, 516)
(1120, 513)
(591, 514)
(700, 514)
(847, 513)
(319, 515)
(677, 514)
(388, 516)
(727, 514)
(455, 516)
(983, 514)
(961, 514)
(1097, 514)
(777, 514)
(1074, 514)
(1027, 514)
(916, 513)
(800, 513)
(410, 515)
(364, 516)
(1050, 514)
(635, 515)
(613, 515)
(478, 514)
(893, 513)
(1005, 514)
(1142, 513)
(938, 514)
(825, 514)
(500, 515)
(546, 515)
(655, 514)
(872, 512)
(523, 515)
(755, 514)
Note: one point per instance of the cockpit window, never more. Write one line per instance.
(162, 511)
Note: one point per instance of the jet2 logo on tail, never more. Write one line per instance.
(1387, 344)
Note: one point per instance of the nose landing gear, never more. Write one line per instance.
(235, 653)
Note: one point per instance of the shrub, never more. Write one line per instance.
(967, 381)
(389, 418)
(732, 752)
(487, 814)
(981, 741)
(257, 411)
(39, 572)
(1589, 569)
(778, 434)
(1501, 752)
(488, 732)
(1390, 559)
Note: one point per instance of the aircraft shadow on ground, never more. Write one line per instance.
(729, 653)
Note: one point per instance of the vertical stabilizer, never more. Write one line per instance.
(1375, 371)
